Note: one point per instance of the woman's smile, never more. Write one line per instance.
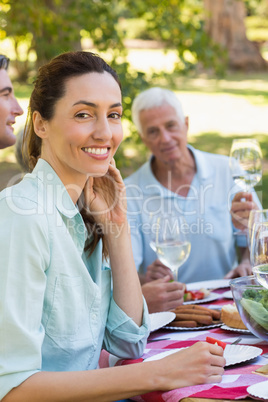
(97, 152)
(86, 130)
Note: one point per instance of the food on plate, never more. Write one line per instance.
(200, 294)
(255, 303)
(191, 316)
(262, 369)
(216, 342)
(230, 316)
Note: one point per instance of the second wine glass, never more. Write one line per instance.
(259, 252)
(246, 162)
(257, 216)
(246, 165)
(170, 241)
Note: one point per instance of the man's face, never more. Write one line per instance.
(164, 133)
(9, 110)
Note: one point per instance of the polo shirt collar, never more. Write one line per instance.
(203, 172)
(203, 169)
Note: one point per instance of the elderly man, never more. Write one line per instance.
(9, 107)
(196, 184)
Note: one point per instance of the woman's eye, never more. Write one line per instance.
(115, 115)
(82, 115)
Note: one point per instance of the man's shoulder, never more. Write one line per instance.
(139, 175)
(25, 197)
(25, 189)
(212, 158)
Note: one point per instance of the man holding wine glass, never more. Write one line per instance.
(242, 205)
(180, 179)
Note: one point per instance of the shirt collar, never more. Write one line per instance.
(150, 185)
(203, 169)
(55, 189)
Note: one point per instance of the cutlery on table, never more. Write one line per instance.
(237, 341)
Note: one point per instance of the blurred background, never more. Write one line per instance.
(212, 53)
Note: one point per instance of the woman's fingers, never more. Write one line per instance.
(214, 379)
(113, 162)
(202, 363)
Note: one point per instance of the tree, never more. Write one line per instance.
(225, 25)
(53, 26)
(179, 25)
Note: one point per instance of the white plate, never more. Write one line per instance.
(260, 390)
(227, 295)
(212, 296)
(233, 354)
(213, 284)
(244, 331)
(193, 328)
(158, 320)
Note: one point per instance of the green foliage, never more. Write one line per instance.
(179, 24)
(49, 27)
(257, 28)
(54, 26)
(257, 7)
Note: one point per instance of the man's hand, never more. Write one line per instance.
(157, 270)
(242, 204)
(163, 295)
(243, 269)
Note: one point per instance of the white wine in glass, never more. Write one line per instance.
(259, 253)
(170, 241)
(246, 163)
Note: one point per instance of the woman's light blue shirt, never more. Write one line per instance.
(56, 308)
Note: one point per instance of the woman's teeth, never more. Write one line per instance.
(96, 151)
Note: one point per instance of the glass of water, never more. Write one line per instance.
(259, 252)
(170, 240)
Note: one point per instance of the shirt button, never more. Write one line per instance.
(94, 316)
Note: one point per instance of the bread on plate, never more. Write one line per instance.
(230, 316)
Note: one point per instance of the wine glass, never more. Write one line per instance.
(170, 240)
(259, 253)
(255, 216)
(246, 164)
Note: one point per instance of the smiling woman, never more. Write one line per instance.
(57, 226)
(82, 136)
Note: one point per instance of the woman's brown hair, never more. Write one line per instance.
(50, 86)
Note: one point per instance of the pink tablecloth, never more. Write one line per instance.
(235, 380)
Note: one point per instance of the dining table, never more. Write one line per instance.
(238, 376)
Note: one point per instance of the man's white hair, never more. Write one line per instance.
(154, 97)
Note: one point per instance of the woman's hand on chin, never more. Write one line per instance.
(105, 197)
